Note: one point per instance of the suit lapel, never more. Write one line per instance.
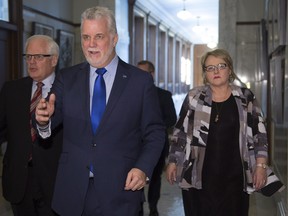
(22, 96)
(25, 95)
(85, 93)
(120, 82)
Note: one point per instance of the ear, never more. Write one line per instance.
(54, 60)
(115, 40)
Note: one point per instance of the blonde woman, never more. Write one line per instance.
(219, 149)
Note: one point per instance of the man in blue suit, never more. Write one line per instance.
(103, 172)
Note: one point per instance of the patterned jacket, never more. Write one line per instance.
(190, 135)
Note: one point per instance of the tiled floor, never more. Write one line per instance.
(170, 203)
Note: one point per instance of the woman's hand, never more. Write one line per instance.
(259, 177)
(171, 173)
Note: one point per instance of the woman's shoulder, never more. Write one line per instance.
(243, 92)
(196, 90)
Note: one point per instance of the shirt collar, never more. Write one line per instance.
(111, 67)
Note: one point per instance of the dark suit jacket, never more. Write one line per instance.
(15, 99)
(169, 115)
(131, 134)
(167, 107)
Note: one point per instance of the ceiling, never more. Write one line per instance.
(203, 13)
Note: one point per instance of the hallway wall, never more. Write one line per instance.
(255, 33)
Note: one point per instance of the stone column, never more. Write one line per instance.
(227, 26)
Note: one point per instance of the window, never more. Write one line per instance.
(4, 10)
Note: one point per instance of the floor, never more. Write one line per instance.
(170, 203)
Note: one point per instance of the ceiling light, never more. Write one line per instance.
(212, 44)
(198, 29)
(184, 14)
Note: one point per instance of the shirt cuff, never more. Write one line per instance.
(44, 131)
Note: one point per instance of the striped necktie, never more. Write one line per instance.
(34, 101)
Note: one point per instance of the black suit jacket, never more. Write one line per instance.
(15, 99)
(169, 115)
(167, 107)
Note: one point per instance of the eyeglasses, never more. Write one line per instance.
(212, 68)
(37, 57)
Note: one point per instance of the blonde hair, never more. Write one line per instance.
(219, 53)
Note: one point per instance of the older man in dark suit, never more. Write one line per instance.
(104, 165)
(29, 164)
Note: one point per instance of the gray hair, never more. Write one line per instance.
(98, 13)
(51, 44)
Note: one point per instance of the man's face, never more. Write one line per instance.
(98, 43)
(39, 69)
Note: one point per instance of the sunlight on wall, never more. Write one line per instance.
(185, 71)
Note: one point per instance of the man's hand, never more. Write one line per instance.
(136, 180)
(45, 110)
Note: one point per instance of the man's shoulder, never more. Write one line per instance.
(74, 68)
(18, 82)
(74, 72)
(133, 72)
(122, 65)
(164, 91)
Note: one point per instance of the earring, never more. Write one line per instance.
(230, 78)
(204, 80)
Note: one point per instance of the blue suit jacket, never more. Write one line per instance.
(131, 134)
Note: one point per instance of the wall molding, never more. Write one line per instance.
(50, 16)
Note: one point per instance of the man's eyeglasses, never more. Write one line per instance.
(212, 68)
(37, 57)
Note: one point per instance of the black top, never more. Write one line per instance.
(222, 158)
(222, 175)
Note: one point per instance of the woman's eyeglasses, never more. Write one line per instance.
(212, 68)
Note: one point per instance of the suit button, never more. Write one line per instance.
(94, 144)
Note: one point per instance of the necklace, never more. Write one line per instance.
(218, 110)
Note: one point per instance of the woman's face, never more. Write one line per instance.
(217, 71)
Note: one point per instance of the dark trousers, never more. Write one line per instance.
(195, 206)
(154, 188)
(33, 203)
(155, 183)
(91, 207)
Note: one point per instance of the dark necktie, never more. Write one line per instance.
(34, 101)
(99, 99)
